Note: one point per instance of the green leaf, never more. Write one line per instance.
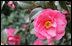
(17, 31)
(34, 11)
(25, 4)
(47, 4)
(4, 36)
(31, 38)
(45, 42)
(11, 17)
(36, 14)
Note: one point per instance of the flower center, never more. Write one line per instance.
(47, 24)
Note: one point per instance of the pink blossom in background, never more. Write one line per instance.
(25, 26)
(50, 24)
(38, 42)
(10, 3)
(10, 31)
(14, 40)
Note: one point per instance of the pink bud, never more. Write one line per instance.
(25, 26)
(10, 3)
(13, 6)
(65, 12)
(30, 9)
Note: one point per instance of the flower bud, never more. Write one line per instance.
(25, 26)
(10, 3)
(13, 6)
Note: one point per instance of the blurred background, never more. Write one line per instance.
(20, 15)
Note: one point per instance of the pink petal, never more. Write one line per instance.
(52, 32)
(39, 35)
(54, 24)
(44, 33)
(60, 25)
(13, 6)
(59, 36)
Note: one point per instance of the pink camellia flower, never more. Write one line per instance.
(25, 26)
(14, 40)
(50, 24)
(10, 3)
(13, 6)
(38, 42)
(10, 31)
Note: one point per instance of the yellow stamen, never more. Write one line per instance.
(47, 24)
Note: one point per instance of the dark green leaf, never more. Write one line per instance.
(63, 5)
(34, 11)
(26, 5)
(36, 14)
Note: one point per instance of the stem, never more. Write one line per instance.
(26, 39)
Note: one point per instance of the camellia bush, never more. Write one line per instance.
(35, 22)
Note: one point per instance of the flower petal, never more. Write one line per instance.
(52, 32)
(44, 33)
(59, 36)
